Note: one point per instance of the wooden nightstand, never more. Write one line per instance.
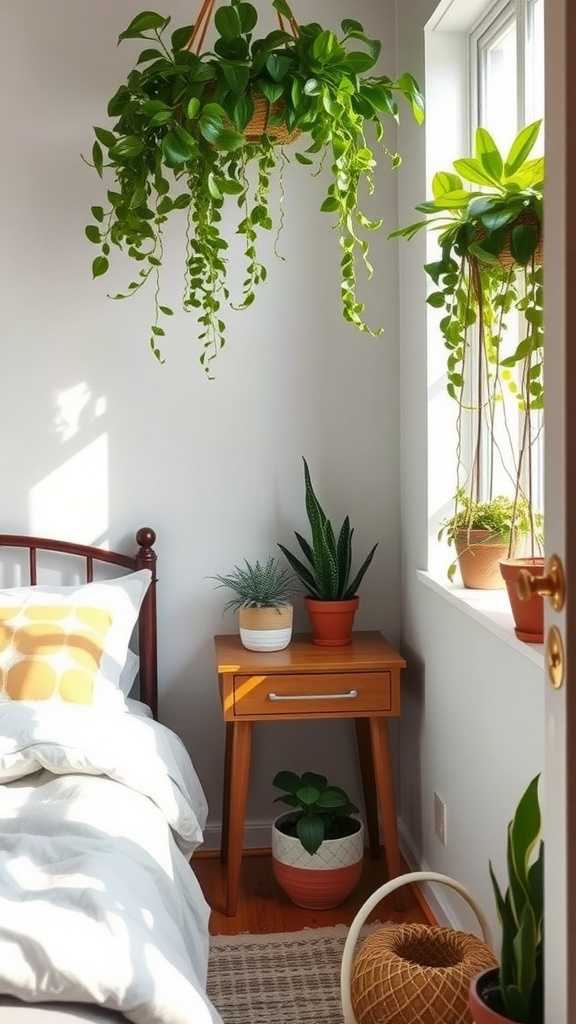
(360, 682)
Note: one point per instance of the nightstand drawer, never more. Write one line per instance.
(309, 694)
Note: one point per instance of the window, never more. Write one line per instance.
(507, 92)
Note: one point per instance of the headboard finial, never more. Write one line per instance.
(146, 537)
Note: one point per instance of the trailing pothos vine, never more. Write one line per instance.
(490, 276)
(181, 143)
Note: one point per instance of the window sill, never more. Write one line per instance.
(490, 608)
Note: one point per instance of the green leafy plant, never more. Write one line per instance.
(179, 142)
(327, 577)
(320, 811)
(519, 992)
(498, 516)
(258, 586)
(490, 239)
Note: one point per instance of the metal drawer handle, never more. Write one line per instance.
(350, 695)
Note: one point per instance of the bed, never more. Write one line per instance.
(101, 916)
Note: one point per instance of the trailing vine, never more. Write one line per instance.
(182, 141)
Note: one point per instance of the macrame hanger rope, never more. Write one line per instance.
(196, 41)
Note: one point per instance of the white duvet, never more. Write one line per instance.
(98, 903)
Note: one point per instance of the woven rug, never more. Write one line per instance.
(291, 978)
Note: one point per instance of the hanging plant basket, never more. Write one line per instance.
(197, 130)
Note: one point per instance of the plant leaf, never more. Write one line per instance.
(353, 588)
(312, 779)
(143, 22)
(488, 154)
(311, 829)
(288, 781)
(521, 148)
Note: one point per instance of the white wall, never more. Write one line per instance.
(99, 440)
(472, 722)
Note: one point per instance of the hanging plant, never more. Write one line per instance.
(190, 125)
(490, 237)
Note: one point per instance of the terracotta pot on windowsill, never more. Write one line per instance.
(528, 615)
(483, 988)
(479, 555)
(332, 621)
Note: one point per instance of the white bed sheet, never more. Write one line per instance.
(98, 816)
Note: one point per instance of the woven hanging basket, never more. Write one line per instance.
(505, 257)
(413, 974)
(259, 126)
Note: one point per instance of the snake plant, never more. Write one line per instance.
(327, 575)
(521, 913)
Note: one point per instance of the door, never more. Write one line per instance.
(560, 506)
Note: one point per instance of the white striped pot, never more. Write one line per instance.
(266, 629)
(321, 880)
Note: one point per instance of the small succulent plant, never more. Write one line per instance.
(266, 585)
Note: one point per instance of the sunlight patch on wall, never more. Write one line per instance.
(72, 502)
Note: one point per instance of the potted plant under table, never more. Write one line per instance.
(514, 990)
(318, 846)
(332, 592)
(263, 601)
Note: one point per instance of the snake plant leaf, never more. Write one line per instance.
(525, 830)
(521, 148)
(305, 547)
(311, 830)
(343, 555)
(525, 944)
(536, 885)
(302, 572)
(515, 1004)
(352, 590)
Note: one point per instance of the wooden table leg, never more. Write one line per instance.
(240, 776)
(385, 789)
(226, 793)
(368, 784)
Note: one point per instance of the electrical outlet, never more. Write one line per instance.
(440, 819)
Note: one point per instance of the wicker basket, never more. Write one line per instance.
(412, 974)
(259, 125)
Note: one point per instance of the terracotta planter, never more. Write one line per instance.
(528, 615)
(320, 881)
(332, 621)
(266, 629)
(481, 1012)
(479, 555)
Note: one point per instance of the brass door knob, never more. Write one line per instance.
(552, 584)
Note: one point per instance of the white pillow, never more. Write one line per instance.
(129, 673)
(69, 643)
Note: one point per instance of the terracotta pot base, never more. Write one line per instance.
(528, 615)
(332, 621)
(481, 1012)
(317, 890)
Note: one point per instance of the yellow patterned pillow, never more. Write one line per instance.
(69, 643)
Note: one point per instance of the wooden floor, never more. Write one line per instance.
(264, 908)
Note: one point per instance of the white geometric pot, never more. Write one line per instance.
(266, 629)
(321, 880)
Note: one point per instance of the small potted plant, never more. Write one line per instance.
(481, 533)
(318, 847)
(262, 598)
(332, 599)
(514, 991)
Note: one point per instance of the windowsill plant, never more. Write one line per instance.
(481, 533)
(317, 847)
(514, 991)
(190, 127)
(263, 595)
(490, 270)
(332, 592)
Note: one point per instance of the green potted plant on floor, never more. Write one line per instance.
(481, 534)
(514, 991)
(194, 130)
(332, 591)
(318, 846)
(262, 597)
